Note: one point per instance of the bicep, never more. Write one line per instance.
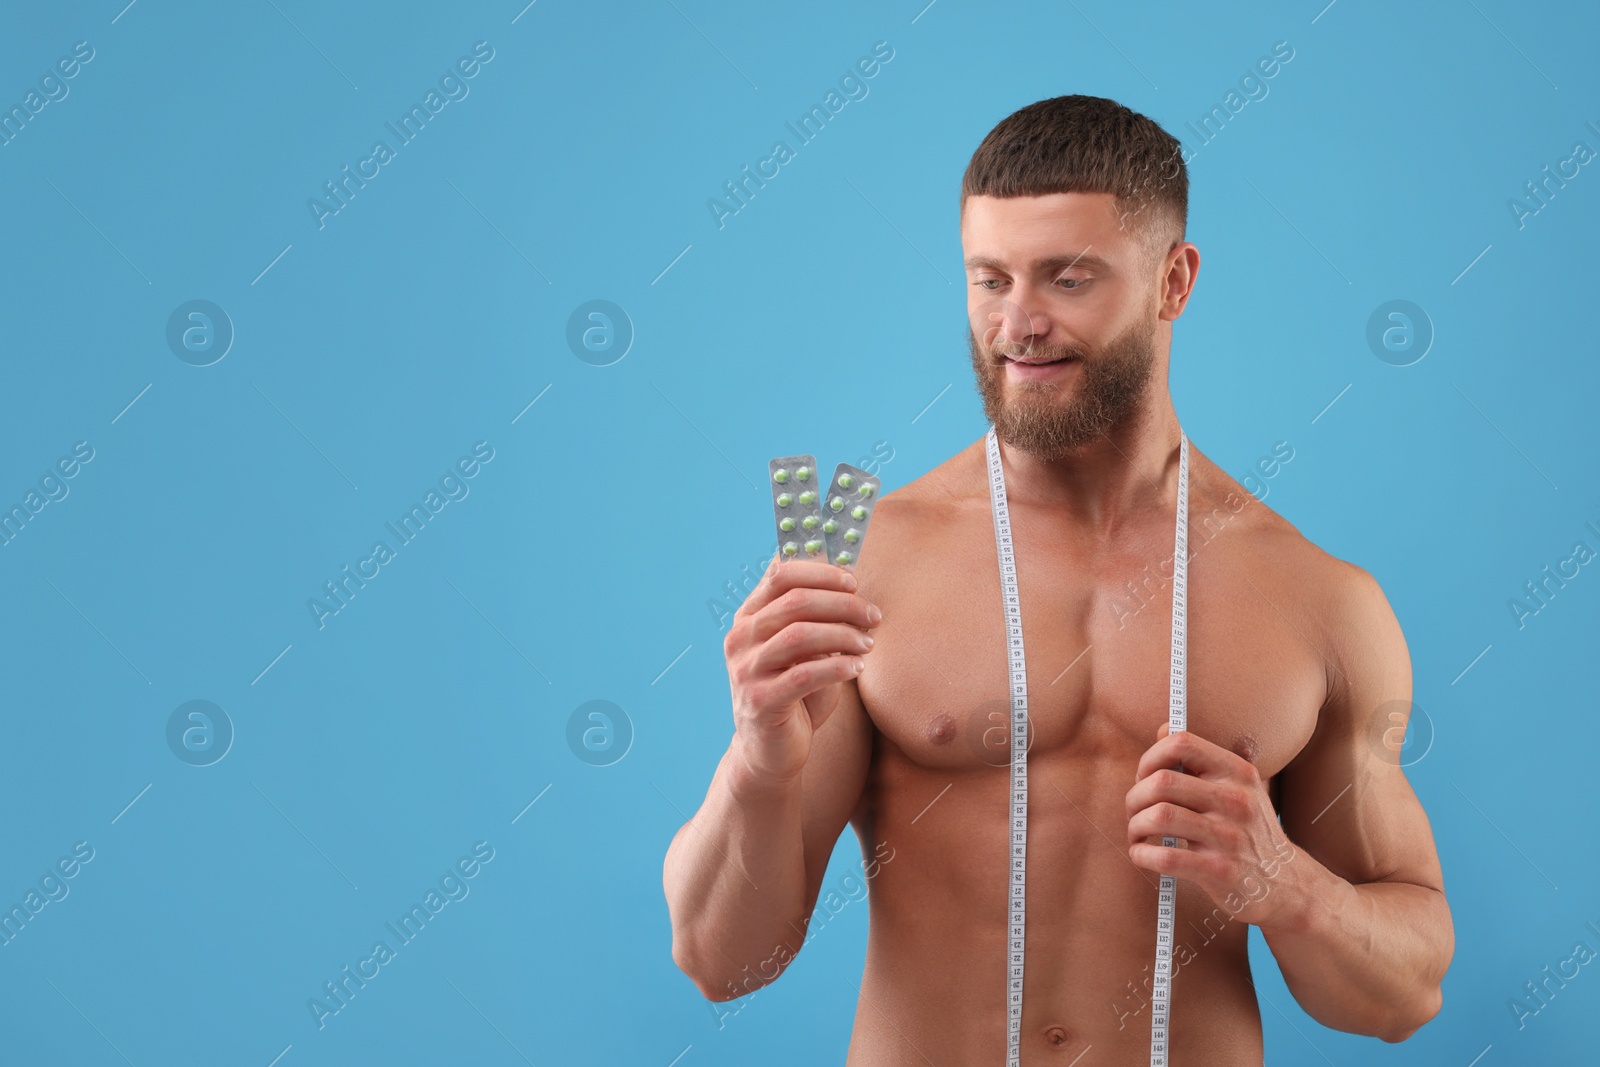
(832, 782)
(1345, 796)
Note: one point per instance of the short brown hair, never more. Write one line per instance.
(1088, 144)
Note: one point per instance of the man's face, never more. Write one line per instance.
(1058, 278)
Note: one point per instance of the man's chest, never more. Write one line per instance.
(1098, 652)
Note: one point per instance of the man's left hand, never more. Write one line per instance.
(1214, 801)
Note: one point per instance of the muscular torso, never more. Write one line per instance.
(935, 802)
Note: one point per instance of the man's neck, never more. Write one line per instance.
(1107, 481)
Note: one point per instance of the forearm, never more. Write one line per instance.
(1364, 958)
(735, 881)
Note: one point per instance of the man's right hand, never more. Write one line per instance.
(796, 639)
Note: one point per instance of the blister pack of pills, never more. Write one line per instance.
(797, 505)
(846, 510)
(813, 524)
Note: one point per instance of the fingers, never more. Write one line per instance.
(1179, 862)
(804, 624)
(805, 678)
(1171, 820)
(1196, 754)
(1166, 784)
(795, 574)
(804, 604)
(805, 639)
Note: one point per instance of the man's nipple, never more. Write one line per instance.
(941, 729)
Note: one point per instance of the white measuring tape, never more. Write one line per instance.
(1177, 720)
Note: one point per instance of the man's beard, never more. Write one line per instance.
(1037, 420)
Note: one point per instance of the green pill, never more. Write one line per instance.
(809, 522)
(802, 473)
(852, 535)
(846, 481)
(780, 475)
(786, 523)
(813, 547)
(789, 548)
(866, 489)
(858, 512)
(830, 526)
(845, 557)
(808, 497)
(784, 500)
(837, 503)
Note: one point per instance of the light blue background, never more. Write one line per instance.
(427, 314)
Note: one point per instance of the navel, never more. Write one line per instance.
(1058, 1036)
(941, 729)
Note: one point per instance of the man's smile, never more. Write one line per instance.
(1032, 368)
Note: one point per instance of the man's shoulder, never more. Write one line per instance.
(951, 484)
(1220, 504)
(1303, 579)
(1333, 602)
(925, 512)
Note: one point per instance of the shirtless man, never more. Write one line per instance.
(881, 699)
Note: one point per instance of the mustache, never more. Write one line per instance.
(1000, 350)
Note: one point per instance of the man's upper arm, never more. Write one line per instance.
(1345, 798)
(832, 782)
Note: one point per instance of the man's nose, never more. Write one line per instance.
(1018, 318)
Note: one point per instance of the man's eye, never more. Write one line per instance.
(1077, 283)
(988, 283)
